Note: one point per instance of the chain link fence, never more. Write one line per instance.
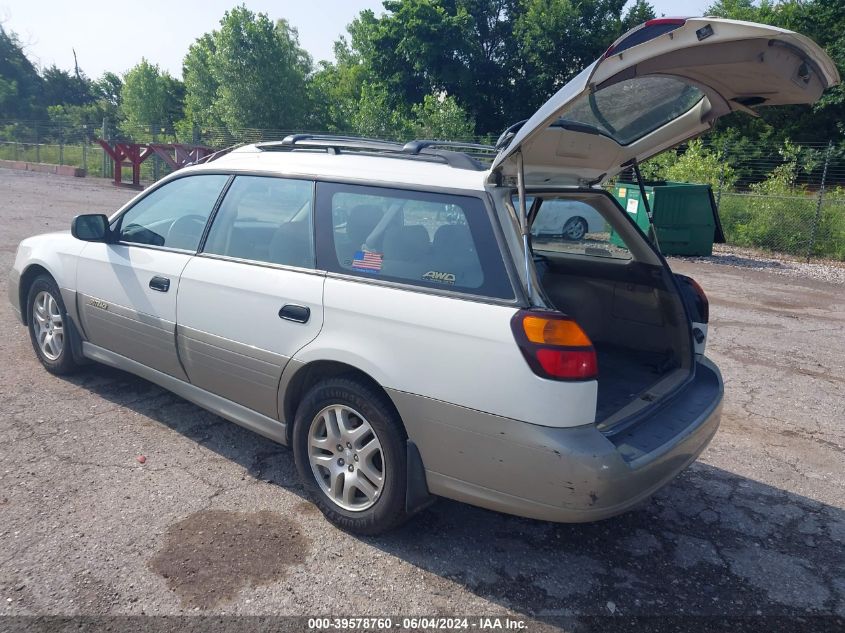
(781, 198)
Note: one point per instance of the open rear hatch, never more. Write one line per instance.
(657, 86)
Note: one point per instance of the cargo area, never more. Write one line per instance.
(636, 324)
(627, 305)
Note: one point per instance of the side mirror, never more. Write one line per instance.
(92, 227)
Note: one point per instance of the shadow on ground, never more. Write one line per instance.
(712, 542)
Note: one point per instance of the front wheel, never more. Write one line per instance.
(49, 328)
(350, 451)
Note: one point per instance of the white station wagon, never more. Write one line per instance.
(383, 308)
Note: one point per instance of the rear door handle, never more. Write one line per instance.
(292, 312)
(162, 284)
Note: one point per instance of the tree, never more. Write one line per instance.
(63, 88)
(252, 73)
(374, 116)
(21, 88)
(200, 86)
(335, 90)
(559, 38)
(440, 117)
(150, 97)
(108, 88)
(501, 59)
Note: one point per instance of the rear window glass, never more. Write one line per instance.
(628, 110)
(426, 239)
(575, 228)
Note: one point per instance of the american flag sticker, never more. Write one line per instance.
(367, 261)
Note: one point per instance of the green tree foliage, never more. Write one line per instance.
(559, 38)
(251, 73)
(500, 58)
(440, 117)
(783, 212)
(375, 117)
(200, 86)
(336, 89)
(108, 88)
(149, 99)
(697, 164)
(63, 88)
(21, 88)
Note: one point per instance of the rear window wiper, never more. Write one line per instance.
(584, 128)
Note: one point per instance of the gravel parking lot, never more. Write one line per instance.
(215, 522)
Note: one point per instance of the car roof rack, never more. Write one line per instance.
(422, 149)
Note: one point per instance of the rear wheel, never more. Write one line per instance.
(574, 228)
(49, 328)
(349, 447)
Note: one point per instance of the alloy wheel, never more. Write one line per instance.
(49, 327)
(346, 458)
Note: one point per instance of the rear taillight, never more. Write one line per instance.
(554, 345)
(700, 302)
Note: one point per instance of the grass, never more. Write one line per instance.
(785, 224)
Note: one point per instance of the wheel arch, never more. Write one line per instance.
(28, 277)
(313, 372)
(417, 495)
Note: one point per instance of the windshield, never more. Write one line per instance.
(628, 110)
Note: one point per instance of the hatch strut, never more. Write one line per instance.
(523, 220)
(652, 232)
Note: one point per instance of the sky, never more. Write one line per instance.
(114, 35)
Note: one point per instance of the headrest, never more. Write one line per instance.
(408, 243)
(361, 222)
(454, 240)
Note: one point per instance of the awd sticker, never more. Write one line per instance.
(98, 304)
(443, 278)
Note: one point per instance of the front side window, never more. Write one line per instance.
(265, 219)
(426, 239)
(175, 214)
(574, 227)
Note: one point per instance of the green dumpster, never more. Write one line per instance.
(685, 217)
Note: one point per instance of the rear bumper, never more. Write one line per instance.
(564, 474)
(13, 289)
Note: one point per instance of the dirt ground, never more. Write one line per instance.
(215, 521)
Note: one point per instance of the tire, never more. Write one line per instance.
(333, 434)
(50, 330)
(574, 229)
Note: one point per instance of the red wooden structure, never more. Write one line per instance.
(132, 155)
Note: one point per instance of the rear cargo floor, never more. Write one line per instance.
(624, 374)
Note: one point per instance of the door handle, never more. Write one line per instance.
(292, 312)
(162, 284)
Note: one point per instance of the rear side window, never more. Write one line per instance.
(573, 227)
(426, 239)
(265, 219)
